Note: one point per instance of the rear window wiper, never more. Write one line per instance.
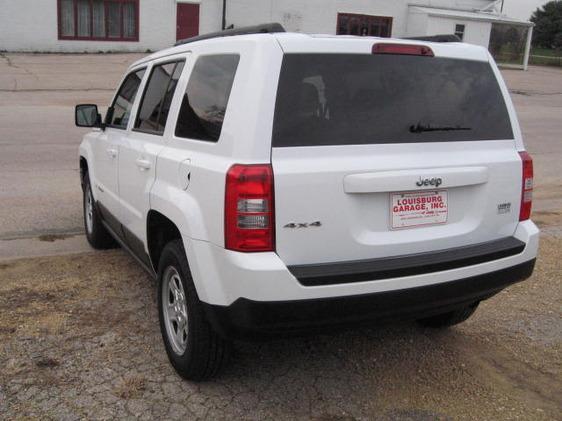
(420, 128)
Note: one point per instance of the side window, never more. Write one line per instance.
(206, 97)
(158, 94)
(120, 110)
(459, 31)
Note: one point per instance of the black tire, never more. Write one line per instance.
(98, 237)
(205, 352)
(450, 318)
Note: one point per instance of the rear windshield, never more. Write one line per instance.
(351, 99)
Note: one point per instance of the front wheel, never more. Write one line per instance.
(450, 318)
(195, 350)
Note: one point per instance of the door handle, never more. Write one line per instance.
(112, 152)
(143, 164)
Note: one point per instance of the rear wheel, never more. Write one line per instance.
(195, 350)
(450, 318)
(98, 237)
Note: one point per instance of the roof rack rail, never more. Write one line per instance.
(264, 28)
(437, 38)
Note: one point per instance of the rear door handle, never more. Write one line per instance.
(112, 152)
(143, 164)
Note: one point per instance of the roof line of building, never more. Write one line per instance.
(473, 15)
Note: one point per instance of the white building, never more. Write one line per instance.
(141, 25)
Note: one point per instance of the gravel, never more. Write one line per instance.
(79, 338)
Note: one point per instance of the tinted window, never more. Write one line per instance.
(123, 102)
(329, 99)
(459, 31)
(155, 106)
(206, 97)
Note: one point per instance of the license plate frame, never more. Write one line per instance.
(415, 209)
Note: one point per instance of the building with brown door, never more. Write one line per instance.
(141, 25)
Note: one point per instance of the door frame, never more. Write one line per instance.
(196, 6)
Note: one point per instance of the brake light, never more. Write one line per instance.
(527, 187)
(402, 49)
(249, 215)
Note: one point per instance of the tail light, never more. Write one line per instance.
(402, 49)
(249, 217)
(527, 187)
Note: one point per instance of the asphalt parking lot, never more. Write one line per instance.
(78, 329)
(40, 194)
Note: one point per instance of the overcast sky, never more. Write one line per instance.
(521, 9)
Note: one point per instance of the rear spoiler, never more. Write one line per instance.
(437, 38)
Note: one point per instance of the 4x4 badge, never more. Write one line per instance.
(303, 224)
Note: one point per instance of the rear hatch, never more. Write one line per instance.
(379, 155)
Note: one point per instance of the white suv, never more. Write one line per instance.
(277, 182)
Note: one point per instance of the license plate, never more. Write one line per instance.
(416, 209)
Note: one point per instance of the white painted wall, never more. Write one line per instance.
(314, 16)
(31, 25)
(456, 4)
(417, 24)
(475, 32)
(210, 15)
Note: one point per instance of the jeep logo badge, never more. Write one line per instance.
(429, 182)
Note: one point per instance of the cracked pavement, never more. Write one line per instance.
(79, 338)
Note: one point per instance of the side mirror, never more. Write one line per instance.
(87, 115)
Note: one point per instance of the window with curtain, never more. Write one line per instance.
(111, 20)
(364, 25)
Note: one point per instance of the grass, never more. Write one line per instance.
(550, 52)
(538, 56)
(130, 387)
(546, 57)
(509, 54)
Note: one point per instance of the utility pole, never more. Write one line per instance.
(501, 9)
(223, 15)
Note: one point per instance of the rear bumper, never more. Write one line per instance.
(248, 319)
(223, 277)
(400, 266)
